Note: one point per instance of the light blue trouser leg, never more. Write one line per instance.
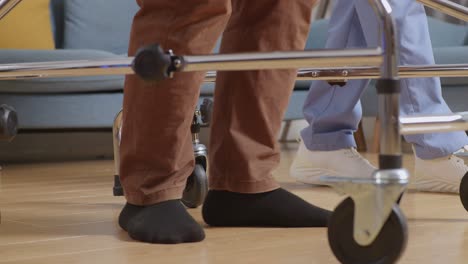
(334, 112)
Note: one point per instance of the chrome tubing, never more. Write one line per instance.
(434, 124)
(246, 61)
(118, 66)
(448, 7)
(6, 6)
(390, 140)
(283, 60)
(352, 73)
(123, 66)
(414, 71)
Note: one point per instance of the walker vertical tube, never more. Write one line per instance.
(388, 91)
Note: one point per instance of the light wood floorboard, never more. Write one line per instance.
(65, 213)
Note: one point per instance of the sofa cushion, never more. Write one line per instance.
(58, 85)
(64, 111)
(27, 26)
(98, 24)
(443, 34)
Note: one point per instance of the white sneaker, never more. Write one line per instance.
(462, 153)
(441, 174)
(309, 166)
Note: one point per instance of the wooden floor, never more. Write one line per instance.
(65, 213)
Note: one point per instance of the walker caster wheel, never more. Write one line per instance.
(196, 189)
(464, 191)
(117, 190)
(386, 248)
(8, 123)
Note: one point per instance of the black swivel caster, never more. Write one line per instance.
(386, 248)
(464, 191)
(196, 189)
(197, 183)
(117, 190)
(194, 193)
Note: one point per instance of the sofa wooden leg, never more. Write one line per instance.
(376, 137)
(360, 139)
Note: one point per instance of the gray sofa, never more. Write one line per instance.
(93, 29)
(83, 29)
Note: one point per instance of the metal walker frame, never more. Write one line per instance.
(374, 198)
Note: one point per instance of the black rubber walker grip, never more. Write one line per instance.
(389, 162)
(388, 86)
(151, 63)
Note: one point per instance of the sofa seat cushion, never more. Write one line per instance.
(98, 24)
(59, 85)
(65, 111)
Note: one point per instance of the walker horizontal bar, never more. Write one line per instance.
(283, 60)
(157, 62)
(152, 63)
(434, 124)
(448, 7)
(414, 71)
(122, 66)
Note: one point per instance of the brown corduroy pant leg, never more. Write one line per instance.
(156, 147)
(249, 105)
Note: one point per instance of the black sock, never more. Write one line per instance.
(278, 208)
(127, 213)
(165, 223)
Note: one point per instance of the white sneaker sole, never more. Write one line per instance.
(312, 176)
